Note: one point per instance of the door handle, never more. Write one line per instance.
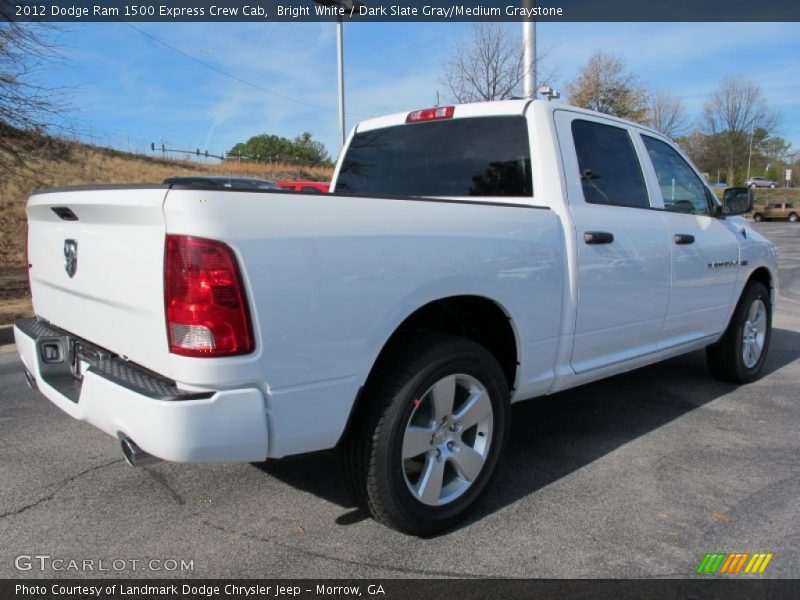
(598, 237)
(684, 238)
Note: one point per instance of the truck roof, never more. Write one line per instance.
(491, 109)
(474, 109)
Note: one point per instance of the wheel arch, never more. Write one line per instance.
(763, 275)
(476, 318)
(473, 317)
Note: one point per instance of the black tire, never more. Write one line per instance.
(772, 186)
(757, 217)
(725, 358)
(372, 450)
(793, 218)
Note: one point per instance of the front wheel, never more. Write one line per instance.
(793, 218)
(434, 421)
(739, 355)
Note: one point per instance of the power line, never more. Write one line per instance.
(231, 75)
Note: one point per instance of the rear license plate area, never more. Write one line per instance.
(63, 360)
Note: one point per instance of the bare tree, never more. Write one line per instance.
(667, 114)
(26, 107)
(487, 64)
(605, 85)
(734, 113)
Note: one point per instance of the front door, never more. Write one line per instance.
(705, 250)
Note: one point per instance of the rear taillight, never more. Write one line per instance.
(204, 299)
(431, 114)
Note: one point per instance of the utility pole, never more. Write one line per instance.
(528, 53)
(341, 5)
(750, 154)
(340, 61)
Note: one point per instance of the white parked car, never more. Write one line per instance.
(470, 257)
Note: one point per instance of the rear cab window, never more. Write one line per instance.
(472, 156)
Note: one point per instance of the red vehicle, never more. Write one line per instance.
(313, 187)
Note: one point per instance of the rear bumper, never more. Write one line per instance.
(219, 426)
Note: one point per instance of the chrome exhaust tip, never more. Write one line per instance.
(135, 456)
(30, 379)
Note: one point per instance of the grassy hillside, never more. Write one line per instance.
(68, 163)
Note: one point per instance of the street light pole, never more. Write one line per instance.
(750, 153)
(340, 60)
(341, 5)
(528, 53)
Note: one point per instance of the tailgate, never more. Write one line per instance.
(96, 262)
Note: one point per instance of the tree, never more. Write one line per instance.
(302, 149)
(737, 115)
(667, 114)
(311, 150)
(706, 152)
(487, 64)
(774, 149)
(604, 84)
(27, 109)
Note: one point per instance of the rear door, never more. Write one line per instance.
(623, 257)
(705, 249)
(96, 264)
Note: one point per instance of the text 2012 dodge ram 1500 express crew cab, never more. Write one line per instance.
(469, 257)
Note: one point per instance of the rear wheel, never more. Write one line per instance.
(758, 217)
(739, 356)
(433, 424)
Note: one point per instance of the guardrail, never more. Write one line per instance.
(764, 196)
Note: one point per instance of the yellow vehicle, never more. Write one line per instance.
(777, 210)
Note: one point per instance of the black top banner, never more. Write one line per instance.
(399, 10)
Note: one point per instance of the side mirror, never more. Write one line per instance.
(737, 201)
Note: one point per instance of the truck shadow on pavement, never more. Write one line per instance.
(556, 435)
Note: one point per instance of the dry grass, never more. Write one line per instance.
(78, 164)
(15, 301)
(69, 163)
(15, 308)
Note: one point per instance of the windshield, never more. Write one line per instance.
(483, 156)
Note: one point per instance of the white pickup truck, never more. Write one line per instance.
(469, 257)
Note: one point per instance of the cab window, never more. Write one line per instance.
(609, 169)
(683, 191)
(478, 156)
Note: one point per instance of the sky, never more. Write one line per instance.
(125, 88)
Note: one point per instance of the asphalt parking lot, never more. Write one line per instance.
(636, 476)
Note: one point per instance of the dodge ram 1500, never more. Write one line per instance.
(468, 257)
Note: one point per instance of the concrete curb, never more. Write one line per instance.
(6, 334)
